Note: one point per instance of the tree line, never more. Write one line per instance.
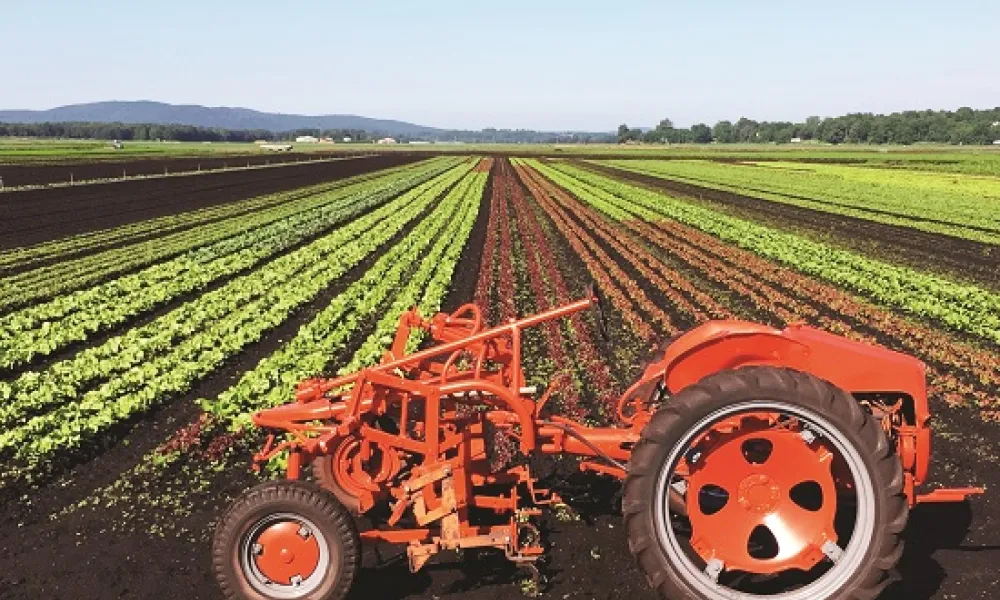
(962, 126)
(180, 133)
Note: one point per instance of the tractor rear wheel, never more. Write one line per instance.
(285, 540)
(790, 489)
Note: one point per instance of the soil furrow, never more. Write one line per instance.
(34, 216)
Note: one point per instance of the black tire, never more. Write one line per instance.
(689, 408)
(298, 498)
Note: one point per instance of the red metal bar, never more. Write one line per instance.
(555, 313)
(945, 495)
(397, 536)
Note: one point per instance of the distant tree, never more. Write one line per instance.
(623, 133)
(810, 130)
(785, 134)
(653, 136)
(723, 132)
(701, 134)
(835, 133)
(746, 130)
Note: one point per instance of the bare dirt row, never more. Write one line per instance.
(17, 175)
(39, 215)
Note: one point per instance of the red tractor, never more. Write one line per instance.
(756, 462)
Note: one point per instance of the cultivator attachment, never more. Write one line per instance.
(755, 460)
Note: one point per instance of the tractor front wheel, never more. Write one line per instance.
(286, 540)
(763, 482)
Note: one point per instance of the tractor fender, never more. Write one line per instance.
(854, 367)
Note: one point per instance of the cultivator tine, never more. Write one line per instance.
(534, 586)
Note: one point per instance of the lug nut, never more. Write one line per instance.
(832, 551)
(714, 568)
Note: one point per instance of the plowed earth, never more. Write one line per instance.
(38, 215)
(533, 245)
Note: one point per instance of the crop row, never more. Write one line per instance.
(329, 334)
(148, 364)
(25, 257)
(44, 328)
(959, 372)
(965, 308)
(955, 205)
(571, 344)
(93, 365)
(65, 276)
(506, 282)
(624, 291)
(433, 247)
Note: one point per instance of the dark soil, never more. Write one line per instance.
(99, 553)
(463, 282)
(17, 175)
(33, 216)
(951, 550)
(965, 259)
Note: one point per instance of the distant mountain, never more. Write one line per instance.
(144, 111)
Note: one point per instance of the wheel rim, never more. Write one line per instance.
(750, 535)
(285, 555)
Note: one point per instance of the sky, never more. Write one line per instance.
(545, 64)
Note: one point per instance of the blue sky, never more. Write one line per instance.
(541, 64)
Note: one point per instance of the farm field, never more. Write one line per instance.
(953, 204)
(33, 216)
(958, 258)
(142, 322)
(24, 175)
(42, 151)
(924, 157)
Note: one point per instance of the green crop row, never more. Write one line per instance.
(402, 274)
(308, 353)
(134, 372)
(957, 205)
(25, 257)
(966, 308)
(65, 276)
(44, 328)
